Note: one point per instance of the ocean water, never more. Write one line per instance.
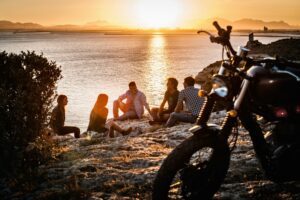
(94, 63)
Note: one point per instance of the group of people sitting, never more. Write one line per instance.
(183, 106)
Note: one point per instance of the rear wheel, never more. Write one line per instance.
(193, 170)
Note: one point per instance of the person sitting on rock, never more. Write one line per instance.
(98, 119)
(57, 121)
(193, 104)
(134, 106)
(161, 115)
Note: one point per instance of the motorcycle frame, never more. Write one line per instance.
(244, 114)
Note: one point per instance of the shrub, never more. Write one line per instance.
(27, 88)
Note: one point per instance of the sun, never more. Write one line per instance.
(158, 13)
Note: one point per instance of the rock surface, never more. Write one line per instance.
(98, 167)
(286, 48)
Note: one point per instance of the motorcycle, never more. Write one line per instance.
(262, 95)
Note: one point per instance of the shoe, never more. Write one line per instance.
(127, 132)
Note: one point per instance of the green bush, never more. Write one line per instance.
(27, 89)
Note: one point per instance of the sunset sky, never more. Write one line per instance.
(146, 13)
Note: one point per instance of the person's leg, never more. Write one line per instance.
(164, 117)
(114, 127)
(181, 117)
(118, 105)
(116, 109)
(172, 120)
(154, 113)
(69, 129)
(128, 115)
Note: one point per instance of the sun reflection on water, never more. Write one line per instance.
(157, 65)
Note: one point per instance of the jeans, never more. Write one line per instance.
(128, 114)
(69, 129)
(180, 117)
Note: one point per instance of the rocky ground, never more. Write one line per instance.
(98, 167)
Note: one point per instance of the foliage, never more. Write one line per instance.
(27, 88)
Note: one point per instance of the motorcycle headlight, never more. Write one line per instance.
(219, 86)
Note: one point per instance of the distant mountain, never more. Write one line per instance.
(7, 25)
(243, 24)
(96, 25)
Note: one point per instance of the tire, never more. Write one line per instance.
(218, 162)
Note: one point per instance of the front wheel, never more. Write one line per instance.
(193, 170)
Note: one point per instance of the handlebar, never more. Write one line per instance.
(219, 29)
(223, 37)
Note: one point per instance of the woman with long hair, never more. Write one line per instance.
(98, 119)
(57, 121)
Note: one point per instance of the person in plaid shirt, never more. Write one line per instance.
(193, 103)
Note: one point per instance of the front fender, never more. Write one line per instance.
(208, 129)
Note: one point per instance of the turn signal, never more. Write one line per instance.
(232, 113)
(202, 93)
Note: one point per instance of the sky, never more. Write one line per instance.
(146, 13)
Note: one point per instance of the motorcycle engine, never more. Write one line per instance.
(286, 132)
(284, 161)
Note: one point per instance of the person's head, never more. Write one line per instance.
(189, 81)
(132, 87)
(172, 84)
(101, 101)
(62, 100)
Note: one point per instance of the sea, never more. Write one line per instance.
(94, 63)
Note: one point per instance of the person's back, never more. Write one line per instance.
(192, 101)
(98, 120)
(57, 118)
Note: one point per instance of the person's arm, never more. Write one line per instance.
(145, 103)
(179, 106)
(162, 105)
(105, 113)
(123, 96)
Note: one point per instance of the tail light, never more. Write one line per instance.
(298, 109)
(280, 112)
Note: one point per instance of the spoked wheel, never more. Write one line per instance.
(193, 170)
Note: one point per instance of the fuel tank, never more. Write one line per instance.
(275, 88)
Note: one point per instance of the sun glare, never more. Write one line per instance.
(158, 13)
